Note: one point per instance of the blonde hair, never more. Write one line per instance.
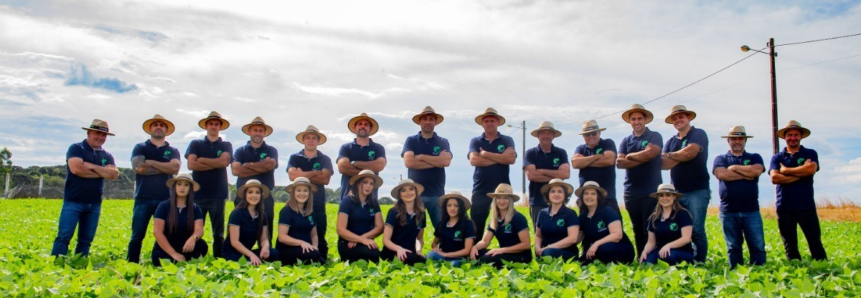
(494, 211)
(294, 205)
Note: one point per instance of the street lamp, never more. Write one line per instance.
(772, 55)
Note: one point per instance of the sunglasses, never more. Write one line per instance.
(590, 134)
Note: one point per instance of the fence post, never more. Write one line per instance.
(6, 192)
(41, 177)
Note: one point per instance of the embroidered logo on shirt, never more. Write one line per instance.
(601, 225)
(644, 143)
(508, 228)
(560, 222)
(674, 227)
(371, 155)
(436, 150)
(311, 219)
(500, 148)
(167, 155)
(801, 160)
(372, 211)
(218, 153)
(556, 162)
(457, 235)
(316, 166)
(598, 151)
(262, 155)
(684, 143)
(104, 161)
(746, 161)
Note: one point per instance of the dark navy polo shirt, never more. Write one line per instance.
(691, 175)
(152, 187)
(739, 195)
(247, 153)
(555, 228)
(606, 176)
(182, 232)
(248, 230)
(213, 183)
(453, 238)
(360, 219)
(300, 225)
(542, 160)
(433, 179)
(598, 226)
(799, 194)
(644, 178)
(670, 229)
(404, 235)
(506, 234)
(355, 152)
(317, 163)
(85, 190)
(486, 179)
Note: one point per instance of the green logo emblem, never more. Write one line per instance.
(104, 161)
(598, 151)
(457, 235)
(684, 143)
(500, 148)
(556, 162)
(508, 228)
(167, 154)
(801, 161)
(311, 219)
(316, 166)
(436, 150)
(372, 155)
(601, 225)
(372, 211)
(644, 143)
(746, 161)
(262, 155)
(560, 222)
(218, 154)
(674, 227)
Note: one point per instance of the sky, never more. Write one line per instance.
(64, 63)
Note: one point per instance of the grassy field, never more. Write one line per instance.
(29, 227)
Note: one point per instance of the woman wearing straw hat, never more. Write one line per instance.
(248, 225)
(404, 233)
(670, 228)
(298, 240)
(360, 220)
(454, 235)
(558, 227)
(178, 224)
(510, 229)
(601, 228)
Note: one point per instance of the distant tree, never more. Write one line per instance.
(387, 201)
(333, 195)
(5, 160)
(280, 196)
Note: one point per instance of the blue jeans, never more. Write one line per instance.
(84, 217)
(433, 210)
(141, 215)
(455, 262)
(737, 227)
(697, 203)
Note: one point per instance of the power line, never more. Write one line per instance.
(818, 40)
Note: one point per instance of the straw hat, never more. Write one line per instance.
(546, 125)
(213, 115)
(257, 121)
(351, 125)
(569, 189)
(100, 126)
(300, 137)
(637, 108)
(301, 181)
(679, 109)
(666, 188)
(793, 125)
(367, 173)
(158, 118)
(428, 111)
(737, 132)
(590, 185)
(396, 191)
(490, 112)
(183, 177)
(264, 190)
(590, 126)
(504, 190)
(457, 195)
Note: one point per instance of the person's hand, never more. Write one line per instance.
(590, 254)
(494, 252)
(402, 253)
(307, 247)
(264, 253)
(178, 257)
(643, 257)
(437, 250)
(473, 254)
(782, 168)
(664, 252)
(255, 260)
(351, 244)
(538, 251)
(370, 243)
(189, 245)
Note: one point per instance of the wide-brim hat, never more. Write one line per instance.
(407, 182)
(367, 173)
(490, 112)
(793, 125)
(504, 190)
(737, 132)
(590, 126)
(569, 189)
(374, 125)
(299, 182)
(100, 126)
(213, 115)
(428, 111)
(257, 121)
(637, 108)
(666, 188)
(590, 185)
(158, 118)
(678, 110)
(183, 177)
(456, 195)
(546, 125)
(264, 190)
(300, 137)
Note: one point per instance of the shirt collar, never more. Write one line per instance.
(499, 135)
(370, 141)
(419, 135)
(302, 154)
(687, 135)
(800, 149)
(218, 141)
(262, 146)
(90, 148)
(729, 153)
(148, 142)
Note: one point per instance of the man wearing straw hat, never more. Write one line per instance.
(640, 156)
(738, 172)
(792, 171)
(543, 163)
(312, 164)
(87, 167)
(491, 154)
(154, 162)
(208, 159)
(686, 155)
(362, 153)
(426, 155)
(257, 160)
(596, 160)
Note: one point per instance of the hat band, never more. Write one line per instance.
(258, 123)
(105, 129)
(591, 128)
(738, 134)
(666, 190)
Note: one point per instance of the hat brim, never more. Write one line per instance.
(301, 137)
(514, 197)
(194, 185)
(351, 125)
(224, 123)
(678, 194)
(310, 186)
(419, 189)
(546, 188)
(745, 136)
(579, 191)
(170, 127)
(439, 117)
(377, 180)
(556, 133)
(626, 116)
(264, 190)
(268, 128)
(782, 132)
(466, 203)
(96, 130)
(480, 117)
(591, 130)
(669, 119)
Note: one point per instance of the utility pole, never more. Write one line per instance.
(773, 96)
(523, 172)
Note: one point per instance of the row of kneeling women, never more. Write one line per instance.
(558, 229)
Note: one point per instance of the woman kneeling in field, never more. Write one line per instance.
(360, 220)
(601, 228)
(455, 233)
(297, 231)
(404, 232)
(510, 229)
(558, 226)
(247, 225)
(670, 229)
(180, 241)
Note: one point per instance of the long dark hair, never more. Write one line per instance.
(354, 194)
(602, 201)
(261, 214)
(660, 209)
(401, 208)
(461, 214)
(173, 213)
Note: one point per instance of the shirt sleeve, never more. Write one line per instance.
(609, 145)
(74, 151)
(284, 218)
(228, 147)
(814, 157)
(291, 162)
(238, 156)
(622, 148)
(161, 211)
(564, 155)
(234, 219)
(437, 230)
(345, 206)
(656, 138)
(344, 152)
(539, 219)
(446, 146)
(684, 219)
(669, 146)
(110, 159)
(775, 162)
(469, 229)
(138, 150)
(174, 153)
(474, 146)
(720, 162)
(519, 222)
(649, 224)
(392, 218)
(408, 146)
(611, 215)
(273, 154)
(509, 143)
(326, 163)
(192, 149)
(198, 214)
(528, 158)
(699, 137)
(572, 219)
(381, 151)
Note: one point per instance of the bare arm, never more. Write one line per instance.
(141, 168)
(476, 160)
(109, 172)
(376, 165)
(378, 227)
(160, 238)
(615, 234)
(195, 165)
(645, 155)
(749, 171)
(806, 170)
(286, 239)
(441, 161)
(171, 167)
(562, 172)
(623, 163)
(234, 242)
(606, 159)
(522, 246)
(778, 178)
(294, 172)
(467, 247)
(684, 240)
(411, 162)
(77, 167)
(221, 162)
(578, 161)
(242, 171)
(344, 233)
(322, 178)
(507, 157)
(266, 165)
(724, 174)
(532, 174)
(650, 246)
(685, 154)
(345, 168)
(571, 239)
